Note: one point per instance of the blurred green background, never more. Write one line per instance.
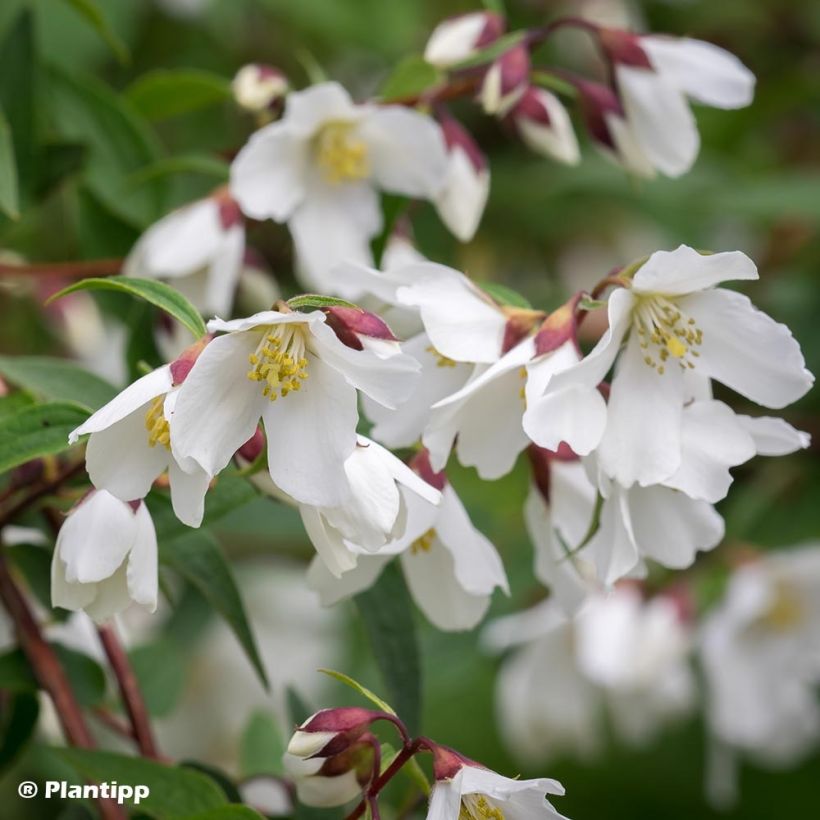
(547, 230)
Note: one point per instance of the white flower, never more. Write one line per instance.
(375, 510)
(505, 82)
(467, 186)
(320, 167)
(475, 793)
(457, 38)
(315, 787)
(256, 87)
(451, 569)
(619, 652)
(293, 371)
(130, 446)
(199, 248)
(676, 325)
(760, 650)
(105, 557)
(545, 127)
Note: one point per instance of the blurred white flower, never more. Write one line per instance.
(457, 38)
(321, 166)
(506, 81)
(199, 248)
(105, 557)
(677, 326)
(621, 652)
(760, 650)
(291, 369)
(543, 123)
(256, 87)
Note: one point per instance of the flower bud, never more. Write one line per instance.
(330, 731)
(505, 81)
(359, 328)
(559, 327)
(544, 125)
(257, 87)
(458, 38)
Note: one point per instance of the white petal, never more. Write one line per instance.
(713, 440)
(188, 493)
(111, 597)
(642, 442)
(556, 140)
(334, 224)
(311, 433)
(335, 557)
(572, 499)
(223, 273)
(454, 40)
(143, 580)
(318, 104)
(264, 318)
(670, 527)
(774, 437)
(703, 71)
(747, 350)
(403, 474)
(684, 270)
(627, 150)
(350, 582)
(218, 406)
(461, 201)
(661, 119)
(64, 594)
(134, 396)
(406, 151)
(268, 175)
(96, 537)
(613, 548)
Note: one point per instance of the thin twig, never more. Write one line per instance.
(67, 270)
(43, 490)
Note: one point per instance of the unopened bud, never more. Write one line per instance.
(257, 87)
(544, 125)
(505, 81)
(330, 731)
(181, 366)
(356, 327)
(458, 38)
(559, 327)
(623, 47)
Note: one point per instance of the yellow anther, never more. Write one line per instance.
(423, 543)
(279, 361)
(661, 324)
(157, 425)
(341, 154)
(441, 361)
(478, 807)
(785, 611)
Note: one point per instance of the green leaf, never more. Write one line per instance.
(183, 164)
(387, 614)
(198, 558)
(33, 561)
(40, 431)
(261, 746)
(504, 295)
(175, 792)
(168, 92)
(157, 293)
(298, 710)
(362, 690)
(54, 379)
(310, 300)
(160, 672)
(58, 161)
(19, 720)
(9, 197)
(412, 76)
(95, 17)
(13, 403)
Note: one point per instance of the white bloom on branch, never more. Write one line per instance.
(256, 87)
(321, 166)
(291, 370)
(199, 248)
(458, 38)
(544, 125)
(675, 325)
(105, 557)
(130, 444)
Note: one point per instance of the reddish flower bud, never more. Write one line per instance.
(458, 38)
(505, 81)
(560, 326)
(330, 731)
(623, 47)
(352, 324)
(420, 464)
(181, 366)
(544, 125)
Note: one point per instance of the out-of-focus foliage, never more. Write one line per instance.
(115, 123)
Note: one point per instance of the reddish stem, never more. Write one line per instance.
(67, 270)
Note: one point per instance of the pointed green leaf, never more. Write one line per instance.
(261, 747)
(309, 300)
(362, 690)
(202, 164)
(95, 17)
(157, 293)
(411, 77)
(18, 721)
(504, 295)
(168, 92)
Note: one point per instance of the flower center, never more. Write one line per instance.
(785, 611)
(157, 425)
(341, 155)
(441, 361)
(423, 543)
(478, 807)
(666, 331)
(279, 361)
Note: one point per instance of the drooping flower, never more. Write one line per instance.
(291, 369)
(130, 443)
(105, 557)
(457, 38)
(677, 326)
(655, 75)
(543, 123)
(324, 782)
(320, 167)
(451, 569)
(466, 790)
(759, 649)
(257, 87)
(506, 81)
(330, 731)
(199, 248)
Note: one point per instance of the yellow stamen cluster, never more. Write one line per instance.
(157, 425)
(666, 331)
(441, 361)
(478, 807)
(423, 543)
(341, 154)
(785, 611)
(279, 362)
(522, 392)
